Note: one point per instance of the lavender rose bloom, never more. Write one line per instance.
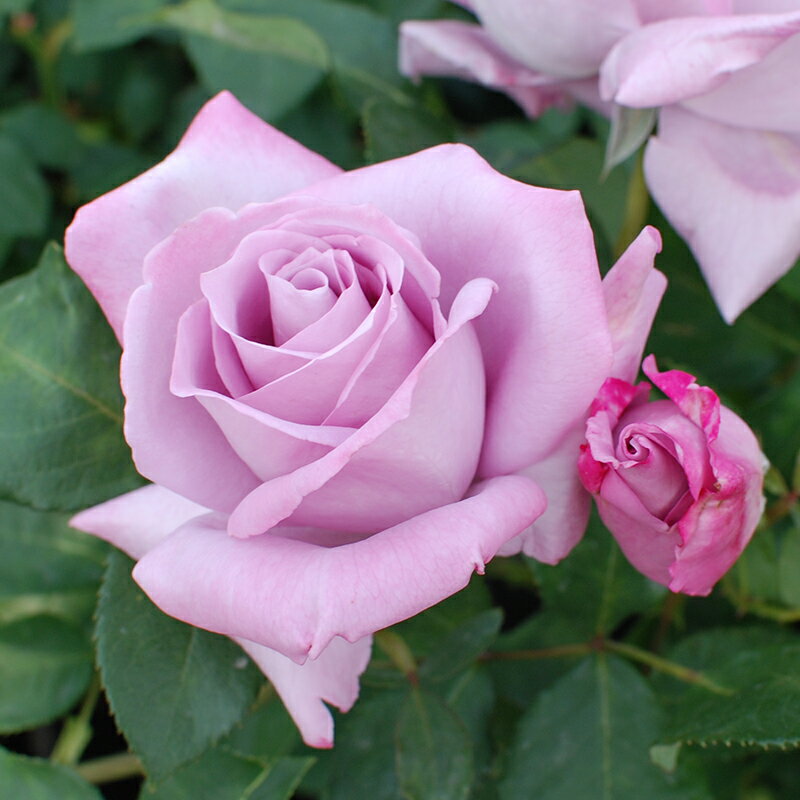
(339, 384)
(725, 163)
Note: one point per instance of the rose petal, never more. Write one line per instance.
(449, 48)
(662, 421)
(331, 677)
(383, 369)
(557, 531)
(763, 96)
(699, 403)
(174, 441)
(138, 521)
(269, 445)
(747, 242)
(228, 157)
(677, 59)
(544, 336)
(650, 465)
(648, 543)
(718, 527)
(309, 394)
(293, 309)
(633, 291)
(211, 580)
(426, 442)
(565, 38)
(656, 10)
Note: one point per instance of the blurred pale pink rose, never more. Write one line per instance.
(337, 383)
(725, 163)
(677, 481)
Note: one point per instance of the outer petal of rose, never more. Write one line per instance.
(563, 523)
(449, 48)
(677, 59)
(418, 452)
(648, 543)
(734, 196)
(633, 291)
(719, 525)
(228, 157)
(175, 442)
(331, 677)
(138, 521)
(565, 38)
(544, 336)
(699, 403)
(763, 96)
(214, 581)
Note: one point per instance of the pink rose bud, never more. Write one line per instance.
(677, 481)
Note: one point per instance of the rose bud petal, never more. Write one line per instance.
(678, 482)
(336, 382)
(724, 163)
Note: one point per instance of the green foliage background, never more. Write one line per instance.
(579, 681)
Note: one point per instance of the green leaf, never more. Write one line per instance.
(472, 698)
(595, 588)
(393, 129)
(462, 647)
(507, 144)
(23, 778)
(270, 62)
(100, 24)
(363, 761)
(761, 666)
(45, 666)
(49, 576)
(173, 689)
(789, 284)
(104, 166)
(588, 737)
(434, 752)
(25, 196)
(630, 128)
(520, 681)
(233, 777)
(14, 6)
(46, 567)
(61, 420)
(424, 632)
(267, 731)
(756, 572)
(362, 44)
(277, 36)
(47, 136)
(279, 779)
(789, 568)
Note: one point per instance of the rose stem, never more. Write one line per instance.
(110, 768)
(77, 730)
